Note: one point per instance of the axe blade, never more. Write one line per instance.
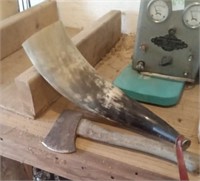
(62, 136)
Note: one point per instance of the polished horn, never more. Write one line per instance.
(58, 60)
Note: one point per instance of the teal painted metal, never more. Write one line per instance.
(163, 92)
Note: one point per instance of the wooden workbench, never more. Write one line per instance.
(20, 137)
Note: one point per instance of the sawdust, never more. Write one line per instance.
(117, 59)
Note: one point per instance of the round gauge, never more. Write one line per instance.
(191, 16)
(158, 10)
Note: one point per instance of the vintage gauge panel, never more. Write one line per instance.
(167, 41)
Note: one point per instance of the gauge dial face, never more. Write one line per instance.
(191, 16)
(158, 10)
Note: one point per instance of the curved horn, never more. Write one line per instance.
(62, 65)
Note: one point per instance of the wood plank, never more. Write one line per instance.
(16, 29)
(99, 38)
(11, 67)
(199, 132)
(8, 8)
(36, 94)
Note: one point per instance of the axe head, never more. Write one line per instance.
(62, 136)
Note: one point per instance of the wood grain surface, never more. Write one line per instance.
(16, 29)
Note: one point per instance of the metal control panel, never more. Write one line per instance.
(167, 39)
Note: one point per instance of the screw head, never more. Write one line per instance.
(190, 58)
(140, 66)
(186, 74)
(143, 47)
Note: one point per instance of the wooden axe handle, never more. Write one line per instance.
(91, 130)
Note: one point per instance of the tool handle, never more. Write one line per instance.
(92, 130)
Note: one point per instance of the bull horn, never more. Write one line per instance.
(58, 60)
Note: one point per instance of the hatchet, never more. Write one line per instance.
(62, 136)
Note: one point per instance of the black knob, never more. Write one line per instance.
(140, 66)
(166, 60)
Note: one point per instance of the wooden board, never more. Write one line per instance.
(8, 8)
(16, 29)
(199, 132)
(35, 93)
(20, 138)
(98, 39)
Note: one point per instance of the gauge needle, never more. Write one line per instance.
(157, 12)
(193, 18)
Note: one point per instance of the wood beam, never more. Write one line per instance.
(16, 29)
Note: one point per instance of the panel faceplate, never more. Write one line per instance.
(169, 48)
